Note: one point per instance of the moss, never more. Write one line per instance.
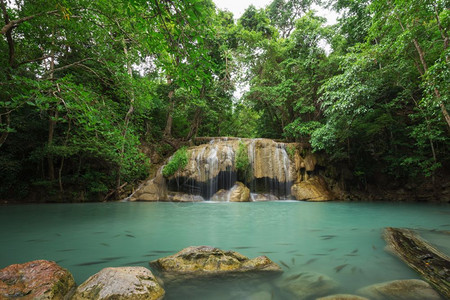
(178, 161)
(242, 160)
(290, 149)
(243, 166)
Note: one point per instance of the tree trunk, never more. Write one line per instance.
(126, 122)
(424, 63)
(53, 115)
(417, 253)
(169, 121)
(436, 90)
(51, 133)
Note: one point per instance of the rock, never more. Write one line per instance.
(270, 160)
(152, 190)
(221, 195)
(263, 197)
(342, 297)
(261, 295)
(132, 283)
(310, 162)
(309, 285)
(412, 289)
(39, 279)
(182, 197)
(203, 261)
(314, 189)
(239, 193)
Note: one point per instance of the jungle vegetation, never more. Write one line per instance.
(89, 88)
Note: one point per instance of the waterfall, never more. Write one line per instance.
(211, 173)
(212, 168)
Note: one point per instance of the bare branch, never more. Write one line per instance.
(68, 66)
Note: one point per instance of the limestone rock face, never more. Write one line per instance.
(310, 162)
(313, 189)
(342, 297)
(203, 261)
(152, 190)
(239, 193)
(273, 168)
(412, 289)
(270, 159)
(308, 285)
(39, 279)
(133, 283)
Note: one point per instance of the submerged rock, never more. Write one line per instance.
(313, 189)
(183, 197)
(203, 261)
(412, 289)
(261, 295)
(221, 195)
(134, 283)
(308, 285)
(39, 279)
(239, 193)
(342, 297)
(263, 197)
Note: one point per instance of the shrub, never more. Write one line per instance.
(178, 161)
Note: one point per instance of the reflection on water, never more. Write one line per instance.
(340, 240)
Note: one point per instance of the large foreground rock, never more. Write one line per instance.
(133, 283)
(203, 261)
(39, 279)
(308, 285)
(313, 189)
(412, 289)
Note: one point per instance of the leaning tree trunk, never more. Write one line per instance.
(417, 253)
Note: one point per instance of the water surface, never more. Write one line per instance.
(300, 236)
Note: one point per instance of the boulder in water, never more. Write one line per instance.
(313, 189)
(203, 261)
(239, 193)
(412, 289)
(221, 195)
(39, 279)
(309, 285)
(263, 197)
(183, 197)
(133, 283)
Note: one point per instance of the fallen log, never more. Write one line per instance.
(433, 265)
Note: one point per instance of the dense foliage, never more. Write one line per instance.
(178, 161)
(88, 87)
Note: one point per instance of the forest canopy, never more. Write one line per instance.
(95, 94)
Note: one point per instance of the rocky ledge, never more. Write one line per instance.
(203, 261)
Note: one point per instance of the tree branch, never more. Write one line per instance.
(9, 25)
(67, 66)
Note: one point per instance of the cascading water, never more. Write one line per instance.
(212, 167)
(239, 170)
